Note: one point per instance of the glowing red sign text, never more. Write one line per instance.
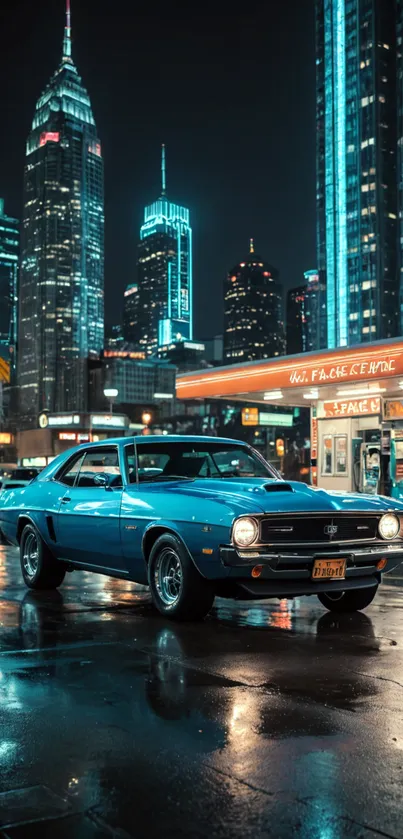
(49, 137)
(352, 407)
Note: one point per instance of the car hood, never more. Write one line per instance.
(262, 495)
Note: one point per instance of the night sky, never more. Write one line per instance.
(231, 94)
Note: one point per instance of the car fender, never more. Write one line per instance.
(158, 527)
(190, 534)
(38, 519)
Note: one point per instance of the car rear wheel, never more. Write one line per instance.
(352, 600)
(177, 589)
(39, 567)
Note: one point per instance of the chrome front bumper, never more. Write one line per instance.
(289, 574)
(298, 564)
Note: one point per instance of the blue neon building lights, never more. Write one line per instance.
(9, 257)
(164, 299)
(357, 180)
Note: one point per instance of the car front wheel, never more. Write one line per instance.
(39, 567)
(352, 600)
(177, 589)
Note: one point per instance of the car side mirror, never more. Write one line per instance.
(102, 480)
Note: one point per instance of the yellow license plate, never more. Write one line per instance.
(329, 569)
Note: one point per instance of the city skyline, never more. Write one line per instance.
(205, 149)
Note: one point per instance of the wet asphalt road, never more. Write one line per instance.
(266, 720)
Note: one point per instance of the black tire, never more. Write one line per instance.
(188, 596)
(39, 567)
(352, 600)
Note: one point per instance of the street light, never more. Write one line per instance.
(111, 394)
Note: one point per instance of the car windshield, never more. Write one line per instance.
(187, 461)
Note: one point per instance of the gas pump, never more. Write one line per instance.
(396, 463)
(371, 468)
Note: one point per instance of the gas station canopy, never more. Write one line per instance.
(368, 371)
(355, 396)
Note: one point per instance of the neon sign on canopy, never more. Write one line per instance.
(359, 364)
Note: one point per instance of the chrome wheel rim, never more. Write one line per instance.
(30, 556)
(168, 576)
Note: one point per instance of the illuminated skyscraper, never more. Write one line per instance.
(399, 87)
(162, 304)
(306, 315)
(253, 317)
(357, 206)
(130, 314)
(62, 275)
(9, 254)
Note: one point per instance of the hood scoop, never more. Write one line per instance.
(280, 487)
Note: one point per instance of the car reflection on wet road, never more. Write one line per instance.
(268, 719)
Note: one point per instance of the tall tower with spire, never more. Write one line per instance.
(61, 297)
(162, 309)
(253, 311)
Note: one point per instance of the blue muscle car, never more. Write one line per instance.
(196, 517)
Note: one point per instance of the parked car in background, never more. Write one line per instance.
(9, 483)
(18, 477)
(196, 517)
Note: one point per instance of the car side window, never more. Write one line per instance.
(69, 474)
(97, 463)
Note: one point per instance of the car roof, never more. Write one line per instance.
(161, 438)
(52, 468)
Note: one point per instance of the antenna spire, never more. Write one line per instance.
(67, 34)
(163, 174)
(251, 246)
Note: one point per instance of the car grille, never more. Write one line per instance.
(324, 529)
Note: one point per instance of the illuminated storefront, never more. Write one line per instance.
(356, 401)
(60, 431)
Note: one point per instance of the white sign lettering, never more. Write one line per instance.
(359, 370)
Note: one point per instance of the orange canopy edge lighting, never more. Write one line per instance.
(358, 364)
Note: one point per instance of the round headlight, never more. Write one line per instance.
(389, 526)
(245, 532)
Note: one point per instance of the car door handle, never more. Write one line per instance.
(65, 500)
